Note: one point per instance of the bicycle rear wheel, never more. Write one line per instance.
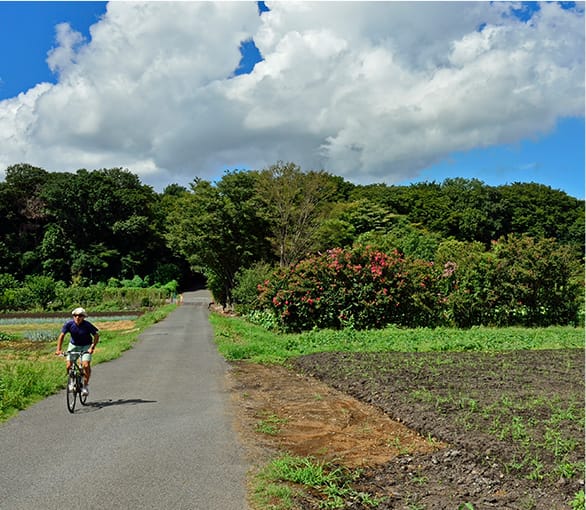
(72, 390)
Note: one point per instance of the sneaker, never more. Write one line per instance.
(71, 386)
(85, 391)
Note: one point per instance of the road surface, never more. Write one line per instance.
(157, 433)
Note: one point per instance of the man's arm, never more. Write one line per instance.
(60, 343)
(94, 343)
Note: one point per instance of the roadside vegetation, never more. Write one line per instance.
(238, 339)
(485, 254)
(29, 370)
(40, 293)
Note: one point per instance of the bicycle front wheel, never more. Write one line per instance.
(71, 392)
(82, 397)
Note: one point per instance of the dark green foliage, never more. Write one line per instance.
(42, 290)
(217, 229)
(79, 227)
(247, 286)
(539, 282)
(92, 227)
(410, 240)
(469, 210)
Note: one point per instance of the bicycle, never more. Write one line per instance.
(75, 380)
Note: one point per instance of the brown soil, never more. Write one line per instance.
(115, 325)
(415, 453)
(285, 411)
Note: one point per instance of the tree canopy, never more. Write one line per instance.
(97, 225)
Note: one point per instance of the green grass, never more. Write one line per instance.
(578, 501)
(270, 424)
(238, 339)
(29, 373)
(288, 476)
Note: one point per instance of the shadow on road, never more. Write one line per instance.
(100, 404)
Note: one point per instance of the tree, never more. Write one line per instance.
(108, 219)
(540, 211)
(56, 252)
(294, 206)
(411, 241)
(23, 214)
(475, 210)
(216, 228)
(468, 282)
(538, 282)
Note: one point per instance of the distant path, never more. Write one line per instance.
(159, 439)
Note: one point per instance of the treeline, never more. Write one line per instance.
(83, 228)
(255, 228)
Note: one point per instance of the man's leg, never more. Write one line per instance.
(87, 372)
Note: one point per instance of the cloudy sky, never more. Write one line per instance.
(393, 92)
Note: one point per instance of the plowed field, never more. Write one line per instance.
(430, 430)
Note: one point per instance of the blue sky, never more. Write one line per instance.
(27, 33)
(304, 103)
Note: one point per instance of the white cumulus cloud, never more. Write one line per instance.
(373, 91)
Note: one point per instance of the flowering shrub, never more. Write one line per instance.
(519, 281)
(359, 287)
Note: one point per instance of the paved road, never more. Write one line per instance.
(157, 433)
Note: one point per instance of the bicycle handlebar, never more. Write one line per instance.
(75, 353)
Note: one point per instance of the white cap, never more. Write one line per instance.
(79, 311)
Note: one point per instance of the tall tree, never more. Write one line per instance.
(541, 211)
(216, 228)
(107, 217)
(23, 214)
(295, 203)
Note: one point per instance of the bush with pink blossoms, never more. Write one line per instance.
(359, 287)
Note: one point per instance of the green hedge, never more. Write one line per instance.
(42, 293)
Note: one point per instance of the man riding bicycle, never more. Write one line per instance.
(84, 338)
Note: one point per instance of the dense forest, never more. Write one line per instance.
(257, 235)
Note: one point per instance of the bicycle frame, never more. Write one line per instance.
(74, 380)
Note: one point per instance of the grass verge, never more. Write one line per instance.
(238, 339)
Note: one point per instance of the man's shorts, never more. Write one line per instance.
(80, 348)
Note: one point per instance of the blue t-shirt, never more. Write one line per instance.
(80, 335)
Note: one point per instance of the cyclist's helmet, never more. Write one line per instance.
(79, 311)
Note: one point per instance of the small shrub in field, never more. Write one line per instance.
(40, 335)
(263, 318)
(578, 501)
